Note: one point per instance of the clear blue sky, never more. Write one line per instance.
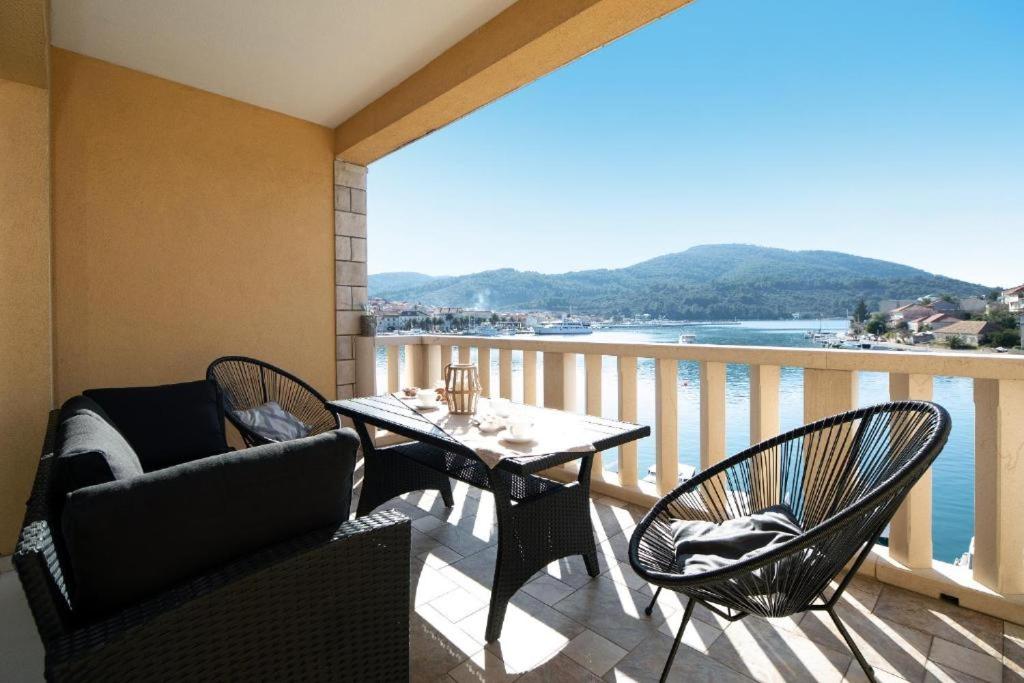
(885, 128)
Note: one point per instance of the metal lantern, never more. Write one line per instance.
(462, 387)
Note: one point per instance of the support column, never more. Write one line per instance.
(350, 295)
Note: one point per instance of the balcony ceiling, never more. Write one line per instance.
(318, 60)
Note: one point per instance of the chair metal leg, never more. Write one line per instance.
(868, 671)
(650, 607)
(446, 494)
(679, 638)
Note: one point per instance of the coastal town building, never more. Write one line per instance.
(1014, 299)
(970, 332)
(888, 305)
(942, 306)
(908, 312)
(973, 305)
(933, 322)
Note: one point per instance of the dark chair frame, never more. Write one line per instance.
(230, 373)
(848, 449)
(327, 605)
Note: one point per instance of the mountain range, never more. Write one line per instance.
(711, 282)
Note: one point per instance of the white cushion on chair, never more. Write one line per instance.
(273, 422)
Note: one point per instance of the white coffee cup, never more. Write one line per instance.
(520, 428)
(426, 397)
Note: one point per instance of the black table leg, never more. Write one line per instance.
(532, 533)
(387, 475)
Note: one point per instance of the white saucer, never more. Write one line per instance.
(518, 440)
(426, 406)
(493, 430)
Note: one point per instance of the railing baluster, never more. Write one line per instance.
(827, 392)
(667, 419)
(446, 357)
(465, 353)
(483, 363)
(434, 366)
(712, 413)
(415, 374)
(627, 413)
(394, 369)
(366, 372)
(910, 532)
(560, 380)
(505, 373)
(592, 366)
(998, 483)
(530, 377)
(764, 402)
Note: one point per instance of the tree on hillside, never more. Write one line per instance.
(993, 295)
(860, 313)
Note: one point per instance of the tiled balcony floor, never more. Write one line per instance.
(566, 626)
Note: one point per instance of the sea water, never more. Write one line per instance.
(953, 471)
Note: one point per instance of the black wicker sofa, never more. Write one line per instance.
(169, 556)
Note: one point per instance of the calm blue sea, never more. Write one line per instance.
(953, 472)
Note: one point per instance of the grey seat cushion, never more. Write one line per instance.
(90, 449)
(273, 422)
(705, 546)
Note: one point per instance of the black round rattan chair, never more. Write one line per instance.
(247, 383)
(841, 479)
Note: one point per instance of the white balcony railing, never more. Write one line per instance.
(829, 386)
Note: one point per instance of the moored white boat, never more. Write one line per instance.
(685, 472)
(565, 326)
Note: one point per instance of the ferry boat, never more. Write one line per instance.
(484, 330)
(686, 338)
(566, 326)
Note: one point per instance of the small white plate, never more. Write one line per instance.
(518, 440)
(491, 429)
(426, 406)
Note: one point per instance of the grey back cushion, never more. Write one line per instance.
(273, 422)
(704, 546)
(90, 449)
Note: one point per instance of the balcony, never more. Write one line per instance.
(566, 626)
(241, 228)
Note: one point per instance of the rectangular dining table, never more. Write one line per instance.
(540, 520)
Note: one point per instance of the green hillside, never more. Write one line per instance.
(720, 281)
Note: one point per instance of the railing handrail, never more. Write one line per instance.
(934, 363)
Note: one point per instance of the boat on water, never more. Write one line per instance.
(966, 560)
(566, 326)
(686, 338)
(685, 472)
(484, 330)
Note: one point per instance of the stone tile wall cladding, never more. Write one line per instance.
(349, 267)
